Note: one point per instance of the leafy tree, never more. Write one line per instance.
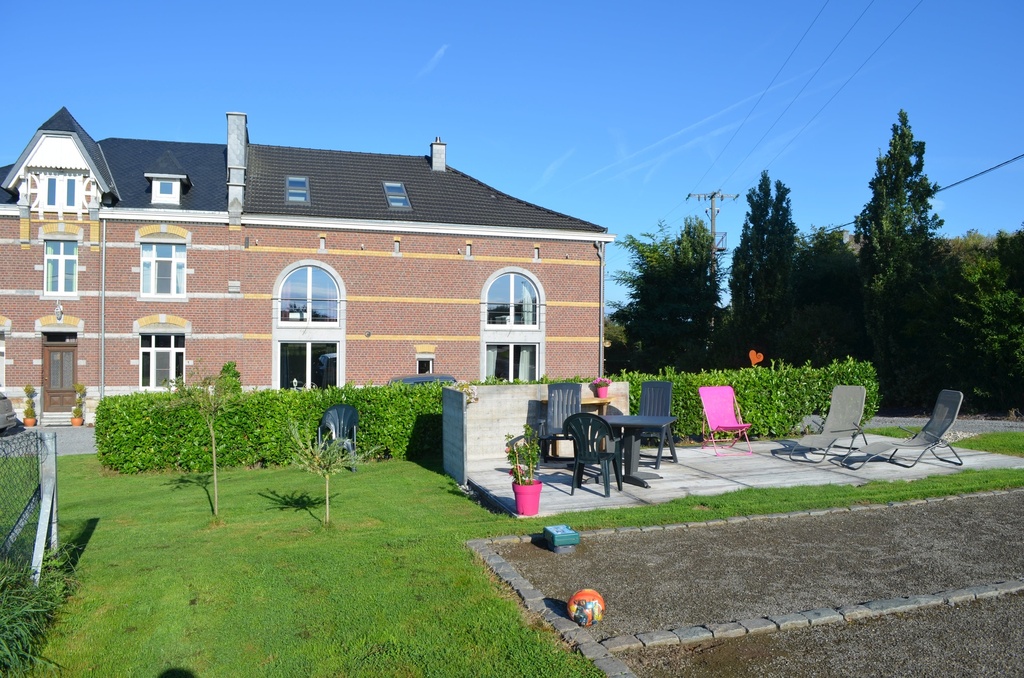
(985, 331)
(899, 257)
(211, 396)
(673, 297)
(762, 268)
(322, 459)
(827, 320)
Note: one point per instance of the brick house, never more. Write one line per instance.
(128, 263)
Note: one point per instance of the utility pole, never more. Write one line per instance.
(716, 245)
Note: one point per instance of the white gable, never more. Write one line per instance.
(57, 152)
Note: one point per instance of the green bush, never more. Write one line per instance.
(143, 432)
(773, 399)
(26, 611)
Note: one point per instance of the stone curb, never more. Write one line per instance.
(602, 653)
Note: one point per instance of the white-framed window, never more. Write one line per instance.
(512, 300)
(61, 192)
(61, 267)
(513, 322)
(161, 359)
(424, 366)
(163, 269)
(309, 294)
(166, 191)
(512, 361)
(3, 360)
(308, 364)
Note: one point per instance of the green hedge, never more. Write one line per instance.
(773, 399)
(143, 432)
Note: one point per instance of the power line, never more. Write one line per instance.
(765, 91)
(955, 183)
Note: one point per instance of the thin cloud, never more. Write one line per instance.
(434, 61)
(553, 167)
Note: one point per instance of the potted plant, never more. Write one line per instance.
(28, 417)
(523, 455)
(78, 412)
(600, 386)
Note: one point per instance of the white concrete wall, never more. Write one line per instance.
(478, 431)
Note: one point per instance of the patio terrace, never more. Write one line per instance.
(700, 472)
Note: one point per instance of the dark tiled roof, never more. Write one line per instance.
(205, 164)
(63, 121)
(5, 197)
(350, 186)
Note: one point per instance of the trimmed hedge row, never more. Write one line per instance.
(772, 399)
(143, 432)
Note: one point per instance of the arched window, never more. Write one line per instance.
(309, 331)
(512, 342)
(309, 294)
(512, 300)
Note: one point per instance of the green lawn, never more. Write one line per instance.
(389, 589)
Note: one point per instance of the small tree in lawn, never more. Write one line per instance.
(324, 459)
(211, 396)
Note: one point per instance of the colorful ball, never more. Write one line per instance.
(586, 607)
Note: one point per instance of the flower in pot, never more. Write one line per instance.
(28, 417)
(523, 455)
(78, 412)
(600, 386)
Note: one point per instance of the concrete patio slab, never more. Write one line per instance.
(700, 473)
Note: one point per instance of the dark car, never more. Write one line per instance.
(416, 379)
(7, 418)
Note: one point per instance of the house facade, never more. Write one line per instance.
(127, 263)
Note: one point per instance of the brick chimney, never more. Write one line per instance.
(437, 160)
(238, 146)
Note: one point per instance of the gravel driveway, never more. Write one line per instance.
(771, 567)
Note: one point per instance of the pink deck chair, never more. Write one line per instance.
(722, 416)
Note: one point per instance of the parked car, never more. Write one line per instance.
(7, 418)
(415, 379)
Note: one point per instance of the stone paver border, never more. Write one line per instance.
(603, 653)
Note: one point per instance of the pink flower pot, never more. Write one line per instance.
(602, 391)
(527, 498)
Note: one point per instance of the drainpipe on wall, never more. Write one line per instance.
(103, 304)
(600, 313)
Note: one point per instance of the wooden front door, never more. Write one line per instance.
(59, 362)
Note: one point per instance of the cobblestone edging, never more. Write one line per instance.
(603, 653)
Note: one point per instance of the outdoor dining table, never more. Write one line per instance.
(631, 427)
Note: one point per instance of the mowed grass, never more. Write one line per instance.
(389, 589)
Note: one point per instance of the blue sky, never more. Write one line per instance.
(610, 112)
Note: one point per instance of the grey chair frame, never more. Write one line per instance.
(845, 412)
(340, 422)
(564, 400)
(929, 439)
(656, 401)
(589, 433)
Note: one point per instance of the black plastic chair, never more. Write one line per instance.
(339, 422)
(593, 443)
(563, 400)
(656, 401)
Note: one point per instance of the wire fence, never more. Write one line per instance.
(20, 494)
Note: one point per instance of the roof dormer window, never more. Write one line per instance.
(166, 191)
(168, 180)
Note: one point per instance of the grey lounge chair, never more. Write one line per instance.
(947, 407)
(656, 401)
(841, 423)
(563, 400)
